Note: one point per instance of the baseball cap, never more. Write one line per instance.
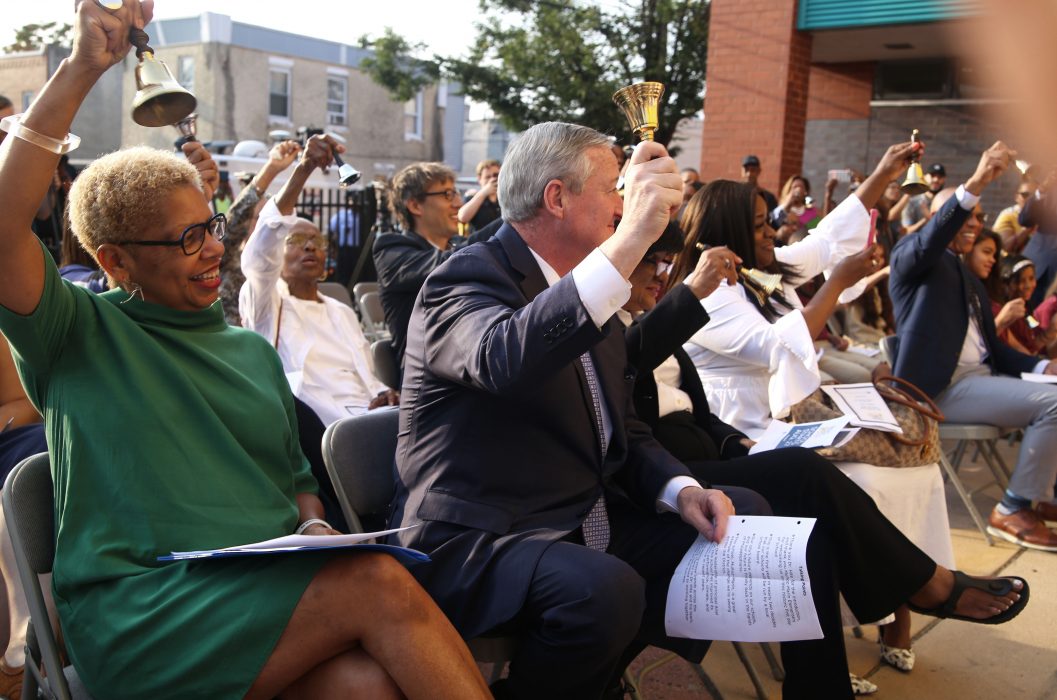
(937, 169)
(750, 161)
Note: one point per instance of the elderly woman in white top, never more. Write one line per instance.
(324, 352)
(756, 357)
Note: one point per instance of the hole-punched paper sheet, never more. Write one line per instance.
(752, 587)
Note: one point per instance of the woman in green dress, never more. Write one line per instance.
(169, 430)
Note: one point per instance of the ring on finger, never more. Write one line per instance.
(110, 5)
(726, 263)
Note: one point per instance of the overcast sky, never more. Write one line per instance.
(446, 26)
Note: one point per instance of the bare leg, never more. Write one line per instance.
(352, 674)
(897, 633)
(370, 602)
(972, 603)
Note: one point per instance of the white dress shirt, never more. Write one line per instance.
(324, 352)
(603, 291)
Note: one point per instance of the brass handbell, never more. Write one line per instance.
(761, 284)
(914, 184)
(160, 100)
(639, 103)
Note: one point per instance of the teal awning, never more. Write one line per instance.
(846, 14)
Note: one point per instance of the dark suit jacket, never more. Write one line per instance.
(929, 287)
(659, 334)
(498, 454)
(1042, 248)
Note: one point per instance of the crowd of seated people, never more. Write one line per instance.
(598, 343)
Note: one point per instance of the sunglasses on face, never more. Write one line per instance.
(301, 239)
(193, 237)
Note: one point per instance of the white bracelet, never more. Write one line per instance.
(13, 125)
(309, 523)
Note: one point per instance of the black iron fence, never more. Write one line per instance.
(346, 218)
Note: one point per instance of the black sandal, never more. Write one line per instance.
(995, 586)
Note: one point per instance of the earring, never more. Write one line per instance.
(136, 289)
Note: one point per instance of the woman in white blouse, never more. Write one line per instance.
(756, 358)
(325, 355)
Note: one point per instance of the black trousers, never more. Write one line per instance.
(589, 613)
(853, 550)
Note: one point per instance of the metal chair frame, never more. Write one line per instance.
(28, 499)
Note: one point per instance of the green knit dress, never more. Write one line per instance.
(168, 431)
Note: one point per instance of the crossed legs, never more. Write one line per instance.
(365, 628)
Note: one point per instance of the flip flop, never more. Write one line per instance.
(996, 586)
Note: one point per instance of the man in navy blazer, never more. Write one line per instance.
(948, 347)
(516, 424)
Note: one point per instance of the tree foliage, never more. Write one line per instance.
(394, 67)
(543, 60)
(34, 36)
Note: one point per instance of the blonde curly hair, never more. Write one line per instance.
(118, 195)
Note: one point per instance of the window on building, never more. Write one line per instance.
(185, 72)
(337, 100)
(914, 80)
(27, 99)
(413, 117)
(279, 93)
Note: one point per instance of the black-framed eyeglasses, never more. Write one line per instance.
(447, 194)
(660, 267)
(193, 237)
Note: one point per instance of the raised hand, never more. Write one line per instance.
(198, 156)
(283, 154)
(854, 267)
(714, 266)
(993, 163)
(100, 37)
(319, 151)
(653, 192)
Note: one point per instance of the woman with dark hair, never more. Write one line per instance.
(795, 482)
(756, 358)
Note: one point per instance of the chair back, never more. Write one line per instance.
(373, 315)
(386, 367)
(29, 511)
(360, 455)
(361, 288)
(336, 291)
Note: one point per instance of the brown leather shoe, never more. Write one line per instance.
(1047, 511)
(1023, 527)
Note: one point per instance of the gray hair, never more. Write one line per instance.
(548, 151)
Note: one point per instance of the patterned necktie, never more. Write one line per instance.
(596, 524)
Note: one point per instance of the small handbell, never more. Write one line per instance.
(640, 104)
(914, 184)
(762, 284)
(159, 100)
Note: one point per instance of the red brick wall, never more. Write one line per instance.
(840, 91)
(756, 102)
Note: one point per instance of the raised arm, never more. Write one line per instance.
(917, 254)
(26, 169)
